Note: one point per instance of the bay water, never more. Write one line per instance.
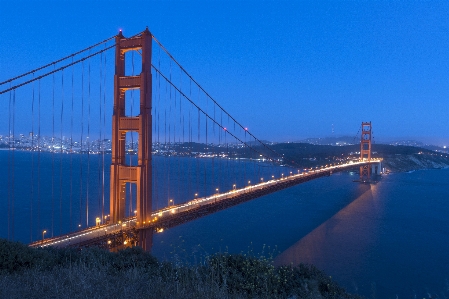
(384, 240)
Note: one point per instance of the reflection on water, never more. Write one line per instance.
(343, 241)
(392, 241)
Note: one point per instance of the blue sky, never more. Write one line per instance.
(287, 70)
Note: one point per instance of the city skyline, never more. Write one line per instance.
(288, 71)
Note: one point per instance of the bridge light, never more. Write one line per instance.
(43, 234)
(109, 242)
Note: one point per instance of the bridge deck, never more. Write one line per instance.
(112, 235)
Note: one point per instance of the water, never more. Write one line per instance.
(388, 240)
(60, 193)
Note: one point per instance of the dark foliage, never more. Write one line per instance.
(94, 273)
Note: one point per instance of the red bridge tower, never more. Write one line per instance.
(365, 152)
(121, 173)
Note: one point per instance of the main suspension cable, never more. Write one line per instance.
(57, 61)
(210, 97)
(56, 70)
(203, 112)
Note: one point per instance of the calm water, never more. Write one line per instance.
(389, 240)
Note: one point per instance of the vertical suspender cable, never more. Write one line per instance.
(71, 155)
(13, 162)
(10, 169)
(205, 162)
(99, 143)
(60, 153)
(169, 137)
(174, 142)
(39, 157)
(53, 161)
(88, 147)
(81, 149)
(32, 166)
(104, 130)
(189, 179)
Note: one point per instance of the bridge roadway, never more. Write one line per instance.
(121, 233)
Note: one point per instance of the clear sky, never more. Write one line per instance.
(287, 70)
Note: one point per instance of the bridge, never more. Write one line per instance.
(168, 138)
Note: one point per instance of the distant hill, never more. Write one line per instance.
(338, 141)
(396, 157)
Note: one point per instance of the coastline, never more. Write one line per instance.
(405, 163)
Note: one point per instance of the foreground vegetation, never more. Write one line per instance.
(93, 273)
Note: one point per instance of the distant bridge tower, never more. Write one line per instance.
(365, 152)
(121, 173)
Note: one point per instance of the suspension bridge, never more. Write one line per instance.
(169, 154)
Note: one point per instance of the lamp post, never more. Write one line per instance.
(43, 234)
(170, 202)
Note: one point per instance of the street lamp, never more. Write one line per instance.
(170, 202)
(196, 195)
(43, 234)
(233, 187)
(261, 179)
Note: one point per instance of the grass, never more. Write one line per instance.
(131, 273)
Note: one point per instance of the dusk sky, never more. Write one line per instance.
(287, 70)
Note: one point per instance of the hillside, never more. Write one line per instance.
(396, 158)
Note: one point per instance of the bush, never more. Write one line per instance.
(95, 273)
